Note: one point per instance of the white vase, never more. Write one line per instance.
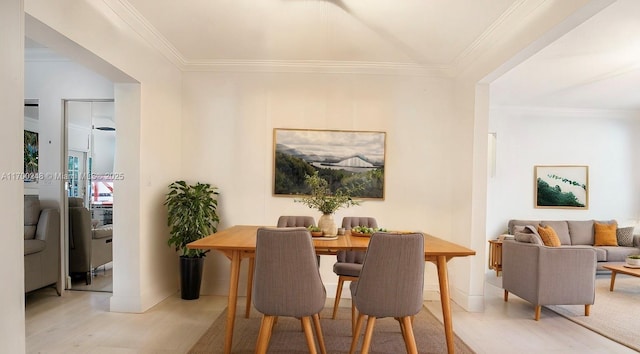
(327, 225)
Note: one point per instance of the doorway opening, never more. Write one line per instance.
(90, 140)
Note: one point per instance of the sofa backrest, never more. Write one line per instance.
(31, 216)
(570, 232)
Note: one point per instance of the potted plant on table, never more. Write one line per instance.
(191, 215)
(322, 199)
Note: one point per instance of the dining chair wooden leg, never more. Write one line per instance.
(402, 329)
(368, 334)
(356, 334)
(308, 334)
(506, 296)
(354, 316)
(252, 266)
(319, 335)
(407, 334)
(264, 335)
(336, 303)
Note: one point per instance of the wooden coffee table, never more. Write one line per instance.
(619, 268)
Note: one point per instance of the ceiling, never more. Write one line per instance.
(595, 65)
(416, 32)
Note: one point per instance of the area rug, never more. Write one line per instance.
(614, 313)
(288, 337)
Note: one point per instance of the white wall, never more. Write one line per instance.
(227, 140)
(148, 98)
(12, 334)
(606, 141)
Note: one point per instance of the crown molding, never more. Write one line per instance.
(146, 30)
(573, 111)
(319, 66)
(149, 33)
(520, 8)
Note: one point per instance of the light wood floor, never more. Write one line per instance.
(79, 322)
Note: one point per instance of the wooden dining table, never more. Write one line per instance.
(239, 242)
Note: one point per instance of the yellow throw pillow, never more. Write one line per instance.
(605, 234)
(549, 236)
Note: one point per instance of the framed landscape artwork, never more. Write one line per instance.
(344, 158)
(30, 156)
(564, 186)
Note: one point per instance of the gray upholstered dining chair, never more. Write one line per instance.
(287, 283)
(296, 221)
(283, 221)
(349, 263)
(390, 284)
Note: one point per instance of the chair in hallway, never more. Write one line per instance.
(90, 246)
(397, 262)
(287, 283)
(349, 263)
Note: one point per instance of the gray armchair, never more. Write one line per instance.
(89, 246)
(349, 263)
(41, 245)
(397, 261)
(287, 283)
(545, 275)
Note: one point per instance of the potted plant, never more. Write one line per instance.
(322, 199)
(315, 231)
(191, 215)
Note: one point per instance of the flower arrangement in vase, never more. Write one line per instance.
(322, 199)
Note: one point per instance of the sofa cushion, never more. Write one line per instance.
(549, 236)
(601, 254)
(624, 236)
(34, 246)
(561, 228)
(617, 253)
(31, 215)
(581, 232)
(605, 234)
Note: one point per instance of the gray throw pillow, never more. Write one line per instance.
(528, 238)
(625, 236)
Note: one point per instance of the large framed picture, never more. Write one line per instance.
(563, 186)
(343, 158)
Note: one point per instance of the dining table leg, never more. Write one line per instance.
(233, 300)
(443, 280)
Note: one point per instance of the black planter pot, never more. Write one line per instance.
(190, 277)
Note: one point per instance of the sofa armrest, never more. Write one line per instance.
(520, 269)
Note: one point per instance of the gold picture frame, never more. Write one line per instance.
(561, 186)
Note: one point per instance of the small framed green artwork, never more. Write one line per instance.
(561, 186)
(30, 156)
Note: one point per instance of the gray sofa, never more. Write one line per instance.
(577, 233)
(41, 245)
(90, 245)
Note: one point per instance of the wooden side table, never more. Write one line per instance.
(495, 256)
